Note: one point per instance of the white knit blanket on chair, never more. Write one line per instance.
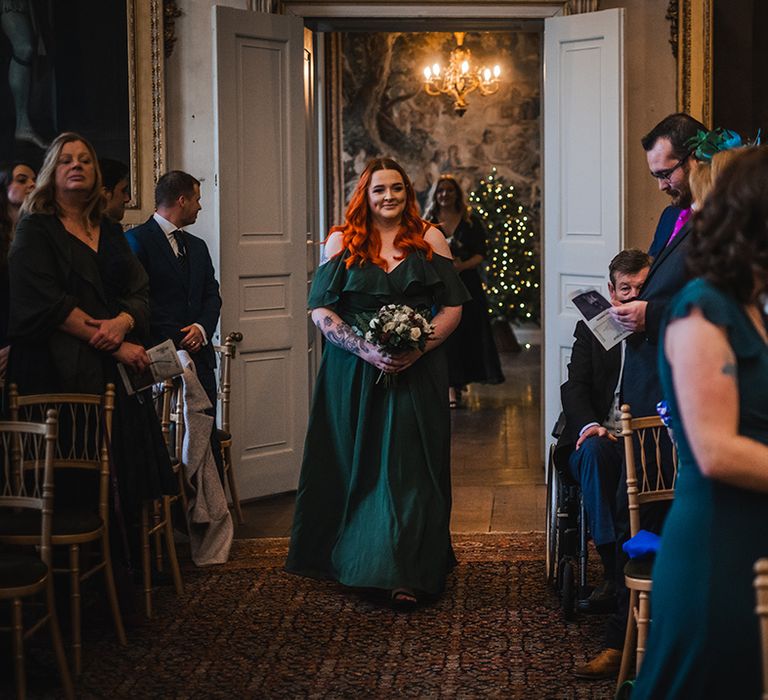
(208, 518)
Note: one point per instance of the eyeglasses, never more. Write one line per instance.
(667, 174)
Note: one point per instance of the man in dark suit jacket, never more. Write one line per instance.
(588, 443)
(664, 228)
(184, 294)
(668, 151)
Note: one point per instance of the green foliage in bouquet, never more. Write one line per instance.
(395, 328)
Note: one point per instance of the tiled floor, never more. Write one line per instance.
(497, 465)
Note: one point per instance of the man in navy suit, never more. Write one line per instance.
(184, 294)
(667, 222)
(668, 152)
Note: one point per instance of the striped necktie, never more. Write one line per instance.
(181, 254)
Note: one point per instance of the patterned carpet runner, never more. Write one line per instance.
(248, 630)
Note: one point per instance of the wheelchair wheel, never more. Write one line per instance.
(551, 528)
(568, 590)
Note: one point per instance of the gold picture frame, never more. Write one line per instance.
(146, 98)
(694, 58)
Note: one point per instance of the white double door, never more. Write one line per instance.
(266, 187)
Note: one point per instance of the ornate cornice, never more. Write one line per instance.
(576, 7)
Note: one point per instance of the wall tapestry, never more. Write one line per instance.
(385, 111)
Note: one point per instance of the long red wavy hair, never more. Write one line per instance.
(361, 238)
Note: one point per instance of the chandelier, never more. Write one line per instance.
(460, 77)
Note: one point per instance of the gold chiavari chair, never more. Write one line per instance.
(226, 353)
(646, 447)
(157, 515)
(26, 494)
(82, 448)
(761, 592)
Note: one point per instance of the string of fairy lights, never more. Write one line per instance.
(512, 262)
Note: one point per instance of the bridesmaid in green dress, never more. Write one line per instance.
(704, 640)
(374, 498)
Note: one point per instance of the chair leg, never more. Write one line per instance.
(58, 645)
(145, 560)
(109, 578)
(170, 546)
(227, 457)
(74, 605)
(158, 539)
(629, 642)
(18, 649)
(643, 621)
(182, 489)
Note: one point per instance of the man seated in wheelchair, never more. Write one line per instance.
(588, 448)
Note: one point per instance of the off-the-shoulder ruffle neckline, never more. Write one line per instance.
(389, 272)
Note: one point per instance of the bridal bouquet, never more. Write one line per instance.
(396, 328)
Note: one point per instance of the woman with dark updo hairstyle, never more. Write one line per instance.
(472, 353)
(713, 363)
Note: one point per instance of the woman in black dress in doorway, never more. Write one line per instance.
(472, 353)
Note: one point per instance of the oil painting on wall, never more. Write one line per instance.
(386, 111)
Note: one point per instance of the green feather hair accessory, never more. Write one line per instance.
(706, 143)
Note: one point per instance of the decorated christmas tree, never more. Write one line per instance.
(512, 262)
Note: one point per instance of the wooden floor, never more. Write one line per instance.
(497, 462)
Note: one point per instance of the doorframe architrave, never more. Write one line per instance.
(434, 9)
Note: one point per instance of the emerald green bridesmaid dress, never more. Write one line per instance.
(374, 498)
(704, 641)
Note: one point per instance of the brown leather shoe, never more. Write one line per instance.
(605, 665)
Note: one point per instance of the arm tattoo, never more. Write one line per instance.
(342, 336)
(729, 369)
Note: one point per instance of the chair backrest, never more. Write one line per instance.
(647, 447)
(171, 413)
(26, 473)
(84, 431)
(761, 593)
(226, 353)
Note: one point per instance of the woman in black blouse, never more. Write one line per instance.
(79, 305)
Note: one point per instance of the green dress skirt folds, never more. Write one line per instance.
(704, 640)
(374, 498)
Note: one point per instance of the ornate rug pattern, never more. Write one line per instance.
(249, 630)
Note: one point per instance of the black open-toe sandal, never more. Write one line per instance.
(403, 599)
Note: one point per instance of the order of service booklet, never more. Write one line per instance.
(593, 306)
(164, 364)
